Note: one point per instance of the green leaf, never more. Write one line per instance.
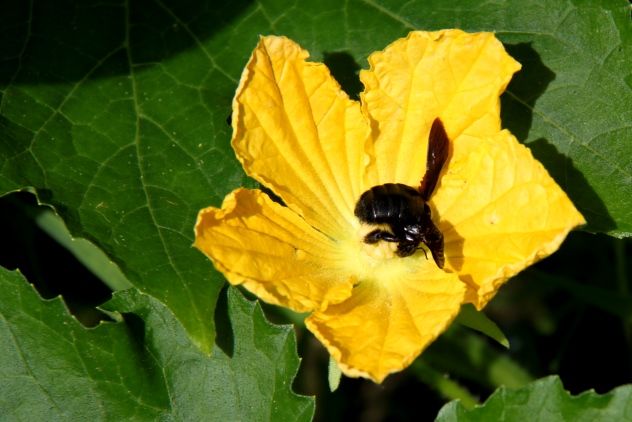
(53, 368)
(545, 400)
(143, 367)
(123, 134)
(477, 320)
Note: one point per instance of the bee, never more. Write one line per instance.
(405, 209)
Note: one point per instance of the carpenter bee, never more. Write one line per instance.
(404, 209)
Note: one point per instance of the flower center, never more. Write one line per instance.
(377, 262)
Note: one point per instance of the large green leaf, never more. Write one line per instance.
(477, 320)
(545, 400)
(115, 112)
(123, 137)
(142, 368)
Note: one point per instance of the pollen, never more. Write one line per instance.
(375, 252)
(380, 251)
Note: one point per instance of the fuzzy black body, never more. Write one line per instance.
(406, 213)
(405, 209)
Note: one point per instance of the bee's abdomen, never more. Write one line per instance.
(390, 202)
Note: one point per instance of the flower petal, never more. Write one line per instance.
(271, 251)
(449, 74)
(499, 212)
(298, 133)
(389, 319)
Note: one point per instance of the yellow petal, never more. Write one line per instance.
(449, 74)
(499, 212)
(389, 319)
(271, 251)
(298, 133)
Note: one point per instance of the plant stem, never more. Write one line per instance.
(446, 387)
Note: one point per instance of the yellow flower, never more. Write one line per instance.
(296, 132)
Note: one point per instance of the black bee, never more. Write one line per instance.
(404, 209)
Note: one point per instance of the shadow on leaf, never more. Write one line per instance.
(71, 41)
(517, 106)
(524, 89)
(344, 69)
(224, 338)
(574, 184)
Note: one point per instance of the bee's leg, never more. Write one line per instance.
(424, 251)
(377, 235)
(434, 241)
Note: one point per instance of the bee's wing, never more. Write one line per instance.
(437, 155)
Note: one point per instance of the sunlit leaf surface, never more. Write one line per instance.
(544, 400)
(144, 367)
